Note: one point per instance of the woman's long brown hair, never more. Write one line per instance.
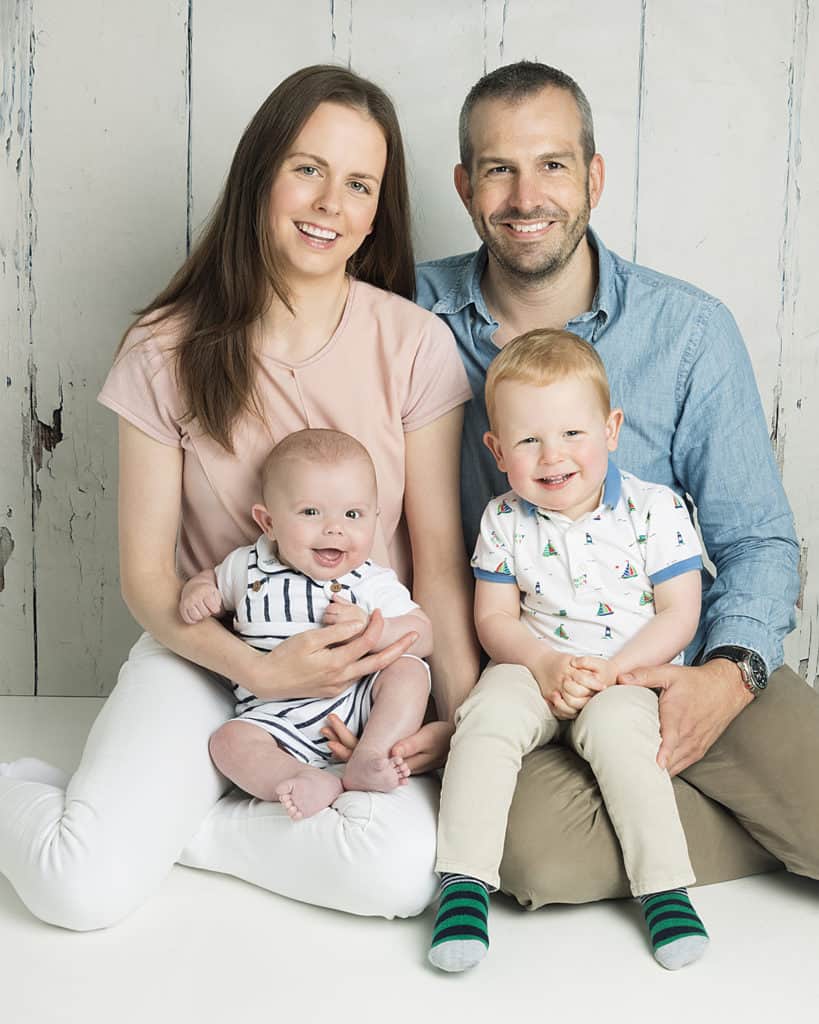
(225, 283)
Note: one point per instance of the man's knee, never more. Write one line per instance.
(761, 768)
(560, 846)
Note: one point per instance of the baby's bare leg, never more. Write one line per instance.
(400, 696)
(252, 759)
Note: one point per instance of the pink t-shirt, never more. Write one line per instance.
(389, 368)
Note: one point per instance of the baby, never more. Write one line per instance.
(311, 567)
(583, 573)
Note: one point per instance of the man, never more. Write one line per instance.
(529, 177)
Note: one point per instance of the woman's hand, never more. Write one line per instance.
(424, 751)
(323, 662)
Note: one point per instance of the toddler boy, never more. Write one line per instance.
(583, 573)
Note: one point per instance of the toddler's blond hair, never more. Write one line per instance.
(542, 357)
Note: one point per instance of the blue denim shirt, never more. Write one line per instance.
(678, 367)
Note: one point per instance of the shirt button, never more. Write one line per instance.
(335, 587)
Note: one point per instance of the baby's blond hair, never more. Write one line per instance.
(542, 357)
(317, 444)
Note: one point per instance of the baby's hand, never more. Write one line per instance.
(198, 601)
(342, 610)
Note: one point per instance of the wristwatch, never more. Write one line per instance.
(752, 667)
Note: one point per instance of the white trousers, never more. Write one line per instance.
(146, 794)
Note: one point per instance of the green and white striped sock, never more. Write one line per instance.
(678, 936)
(460, 938)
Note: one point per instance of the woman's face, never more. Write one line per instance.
(325, 196)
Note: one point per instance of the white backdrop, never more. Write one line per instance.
(117, 122)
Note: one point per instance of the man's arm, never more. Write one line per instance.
(721, 454)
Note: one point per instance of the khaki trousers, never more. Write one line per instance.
(617, 734)
(750, 805)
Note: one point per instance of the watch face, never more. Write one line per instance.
(759, 674)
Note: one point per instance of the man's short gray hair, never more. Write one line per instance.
(516, 82)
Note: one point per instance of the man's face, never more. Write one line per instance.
(529, 191)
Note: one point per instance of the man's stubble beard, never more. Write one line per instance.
(552, 262)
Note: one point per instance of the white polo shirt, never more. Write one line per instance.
(586, 585)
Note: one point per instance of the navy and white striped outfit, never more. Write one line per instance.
(272, 602)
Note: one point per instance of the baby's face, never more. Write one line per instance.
(322, 516)
(553, 442)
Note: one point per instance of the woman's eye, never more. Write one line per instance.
(359, 186)
(308, 171)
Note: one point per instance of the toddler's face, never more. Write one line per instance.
(321, 516)
(553, 442)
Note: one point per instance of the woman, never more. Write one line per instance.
(277, 321)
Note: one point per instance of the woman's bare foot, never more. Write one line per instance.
(372, 772)
(308, 792)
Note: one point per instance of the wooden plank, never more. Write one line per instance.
(598, 43)
(714, 155)
(17, 672)
(109, 117)
(235, 63)
(718, 201)
(427, 65)
(799, 327)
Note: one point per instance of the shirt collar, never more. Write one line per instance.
(467, 289)
(612, 489)
(605, 297)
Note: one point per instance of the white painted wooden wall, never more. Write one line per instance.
(117, 121)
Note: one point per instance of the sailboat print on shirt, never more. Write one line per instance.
(629, 572)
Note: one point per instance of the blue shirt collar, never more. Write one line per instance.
(612, 489)
(467, 289)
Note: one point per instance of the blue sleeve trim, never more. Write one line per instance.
(689, 565)
(494, 577)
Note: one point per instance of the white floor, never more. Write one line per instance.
(211, 949)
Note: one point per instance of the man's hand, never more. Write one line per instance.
(697, 704)
(423, 751)
(342, 610)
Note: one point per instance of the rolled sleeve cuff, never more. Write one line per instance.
(739, 631)
(494, 577)
(689, 565)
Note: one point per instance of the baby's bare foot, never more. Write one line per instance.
(308, 792)
(375, 773)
